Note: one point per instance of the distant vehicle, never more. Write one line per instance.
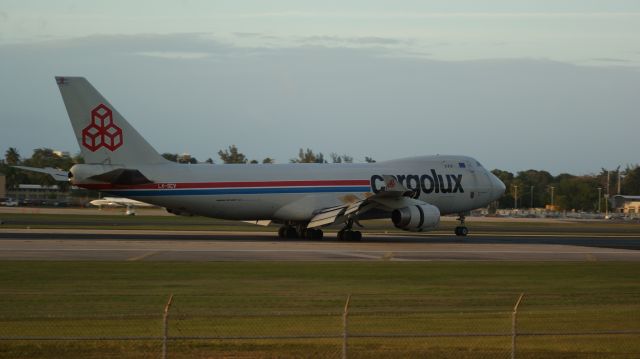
(131, 204)
(9, 203)
(614, 216)
(412, 192)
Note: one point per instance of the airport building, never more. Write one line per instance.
(627, 205)
(632, 209)
(39, 195)
(36, 193)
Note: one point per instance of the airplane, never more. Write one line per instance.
(302, 198)
(120, 202)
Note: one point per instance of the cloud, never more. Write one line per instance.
(366, 40)
(202, 46)
(248, 34)
(428, 15)
(185, 46)
(196, 93)
(148, 42)
(175, 55)
(610, 59)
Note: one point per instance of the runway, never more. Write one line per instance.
(17, 244)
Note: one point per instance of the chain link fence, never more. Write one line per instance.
(358, 326)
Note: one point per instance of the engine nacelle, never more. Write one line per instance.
(416, 218)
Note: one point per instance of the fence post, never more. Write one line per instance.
(345, 327)
(165, 326)
(514, 320)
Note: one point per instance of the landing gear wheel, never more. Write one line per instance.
(312, 233)
(349, 235)
(282, 232)
(461, 231)
(291, 233)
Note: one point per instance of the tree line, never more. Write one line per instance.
(233, 156)
(46, 157)
(531, 188)
(535, 189)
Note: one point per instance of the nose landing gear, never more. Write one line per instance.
(461, 230)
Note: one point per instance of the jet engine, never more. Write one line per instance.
(416, 218)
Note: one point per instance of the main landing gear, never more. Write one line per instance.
(297, 232)
(287, 232)
(347, 234)
(313, 233)
(461, 230)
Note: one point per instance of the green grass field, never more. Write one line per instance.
(91, 299)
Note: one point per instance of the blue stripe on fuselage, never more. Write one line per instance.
(223, 191)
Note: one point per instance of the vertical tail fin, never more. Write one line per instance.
(103, 134)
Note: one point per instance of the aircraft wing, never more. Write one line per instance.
(120, 176)
(264, 223)
(392, 196)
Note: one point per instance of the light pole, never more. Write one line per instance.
(515, 197)
(599, 199)
(606, 197)
(619, 180)
(552, 203)
(531, 206)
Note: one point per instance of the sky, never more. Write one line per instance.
(546, 84)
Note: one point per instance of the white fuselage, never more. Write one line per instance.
(294, 192)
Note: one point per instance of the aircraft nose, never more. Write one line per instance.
(497, 187)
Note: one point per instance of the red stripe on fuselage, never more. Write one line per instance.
(169, 185)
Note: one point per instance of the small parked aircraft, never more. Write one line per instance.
(120, 202)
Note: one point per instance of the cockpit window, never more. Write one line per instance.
(478, 163)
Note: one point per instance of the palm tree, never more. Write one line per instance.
(12, 156)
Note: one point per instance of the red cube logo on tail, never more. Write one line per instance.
(102, 131)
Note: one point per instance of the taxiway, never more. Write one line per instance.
(125, 245)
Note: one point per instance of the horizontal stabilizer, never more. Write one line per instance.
(122, 176)
(58, 175)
